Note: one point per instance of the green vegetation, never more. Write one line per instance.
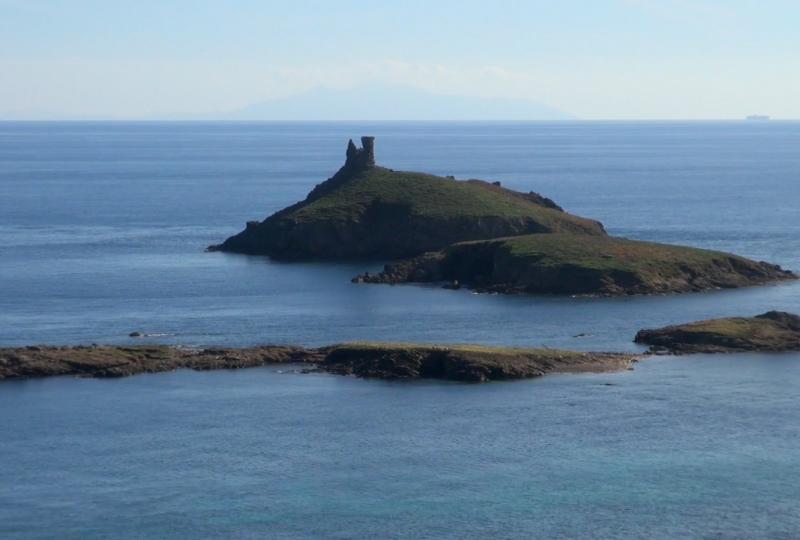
(608, 253)
(772, 331)
(433, 196)
(376, 212)
(581, 264)
(473, 363)
(737, 327)
(658, 267)
(479, 234)
(458, 348)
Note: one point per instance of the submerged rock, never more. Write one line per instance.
(368, 211)
(579, 265)
(772, 331)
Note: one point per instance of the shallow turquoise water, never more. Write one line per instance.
(702, 447)
(102, 228)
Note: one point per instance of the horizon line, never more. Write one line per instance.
(388, 121)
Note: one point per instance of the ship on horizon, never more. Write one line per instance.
(758, 117)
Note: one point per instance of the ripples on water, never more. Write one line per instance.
(102, 228)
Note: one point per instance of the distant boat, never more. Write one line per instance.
(758, 117)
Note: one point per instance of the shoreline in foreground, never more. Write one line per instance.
(465, 363)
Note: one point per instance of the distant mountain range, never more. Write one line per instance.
(389, 102)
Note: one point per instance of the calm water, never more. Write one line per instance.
(102, 230)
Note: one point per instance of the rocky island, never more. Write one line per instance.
(480, 235)
(367, 211)
(773, 331)
(466, 363)
(573, 264)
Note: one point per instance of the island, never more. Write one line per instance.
(365, 211)
(465, 363)
(571, 264)
(479, 235)
(773, 331)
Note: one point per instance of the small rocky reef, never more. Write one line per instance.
(371, 212)
(571, 264)
(469, 363)
(466, 363)
(773, 331)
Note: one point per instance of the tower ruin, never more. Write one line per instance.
(361, 158)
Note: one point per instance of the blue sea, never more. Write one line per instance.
(102, 232)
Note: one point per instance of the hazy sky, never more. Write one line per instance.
(626, 59)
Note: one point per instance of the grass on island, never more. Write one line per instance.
(585, 264)
(609, 253)
(750, 329)
(460, 348)
(771, 331)
(433, 196)
(649, 262)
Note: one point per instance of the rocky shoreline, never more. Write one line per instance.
(580, 265)
(466, 363)
(774, 331)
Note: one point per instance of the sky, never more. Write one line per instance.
(594, 59)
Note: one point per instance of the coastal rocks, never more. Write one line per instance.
(102, 362)
(772, 331)
(367, 211)
(385, 361)
(579, 265)
(464, 363)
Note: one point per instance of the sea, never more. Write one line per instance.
(103, 230)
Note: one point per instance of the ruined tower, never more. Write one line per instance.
(361, 158)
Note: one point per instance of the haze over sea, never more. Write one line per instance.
(102, 232)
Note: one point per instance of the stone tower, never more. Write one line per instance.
(361, 158)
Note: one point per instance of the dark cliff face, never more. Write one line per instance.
(367, 211)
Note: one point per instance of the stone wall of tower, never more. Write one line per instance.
(361, 158)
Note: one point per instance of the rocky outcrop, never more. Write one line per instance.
(579, 265)
(102, 361)
(366, 211)
(772, 332)
(385, 361)
(464, 363)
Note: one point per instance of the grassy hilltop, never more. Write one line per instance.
(367, 211)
